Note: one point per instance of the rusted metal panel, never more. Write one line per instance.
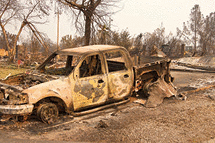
(154, 78)
(56, 88)
(88, 92)
(90, 85)
(89, 49)
(155, 64)
(120, 84)
(157, 91)
(120, 74)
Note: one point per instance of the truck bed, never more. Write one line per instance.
(150, 64)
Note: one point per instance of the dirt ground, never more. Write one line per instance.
(192, 120)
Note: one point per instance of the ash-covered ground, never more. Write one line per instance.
(192, 120)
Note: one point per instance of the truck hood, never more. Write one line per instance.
(11, 88)
(26, 80)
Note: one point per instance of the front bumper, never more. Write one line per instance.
(16, 109)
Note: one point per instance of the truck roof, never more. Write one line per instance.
(88, 49)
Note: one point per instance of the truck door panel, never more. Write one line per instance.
(119, 84)
(120, 75)
(91, 86)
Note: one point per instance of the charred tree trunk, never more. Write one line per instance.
(87, 30)
(15, 41)
(203, 49)
(6, 39)
(182, 50)
(144, 50)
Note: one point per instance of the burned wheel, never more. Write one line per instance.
(47, 112)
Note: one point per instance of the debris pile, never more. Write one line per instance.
(201, 63)
(203, 82)
(101, 124)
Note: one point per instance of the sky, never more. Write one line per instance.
(147, 15)
(138, 16)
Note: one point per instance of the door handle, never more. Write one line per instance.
(100, 81)
(126, 76)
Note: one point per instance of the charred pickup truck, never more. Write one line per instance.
(84, 79)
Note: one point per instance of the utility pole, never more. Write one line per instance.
(58, 17)
(58, 31)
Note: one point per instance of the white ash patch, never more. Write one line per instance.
(203, 82)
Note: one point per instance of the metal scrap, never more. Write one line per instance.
(157, 91)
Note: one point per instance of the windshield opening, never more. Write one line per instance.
(59, 65)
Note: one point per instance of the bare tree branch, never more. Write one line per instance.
(89, 12)
(7, 5)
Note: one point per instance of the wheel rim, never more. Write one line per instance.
(49, 113)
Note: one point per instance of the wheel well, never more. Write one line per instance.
(59, 103)
(149, 75)
(144, 80)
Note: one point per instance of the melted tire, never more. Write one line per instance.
(47, 113)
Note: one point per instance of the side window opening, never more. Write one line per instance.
(115, 61)
(91, 66)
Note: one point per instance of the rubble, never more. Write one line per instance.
(101, 124)
(206, 63)
(212, 97)
(140, 101)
